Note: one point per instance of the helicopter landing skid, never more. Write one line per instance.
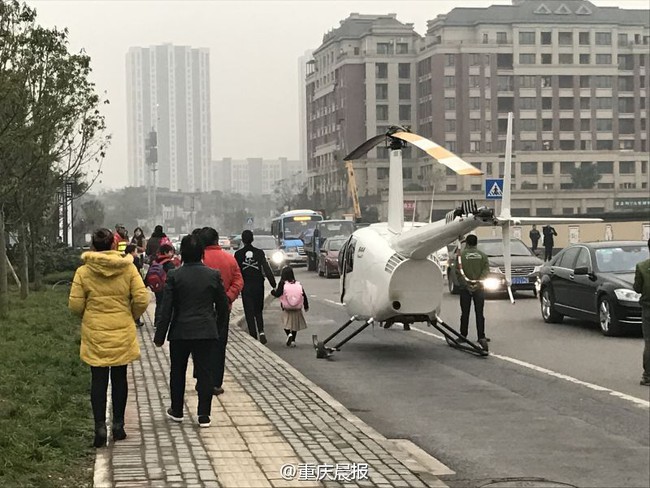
(455, 340)
(322, 351)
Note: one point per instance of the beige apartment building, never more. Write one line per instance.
(574, 75)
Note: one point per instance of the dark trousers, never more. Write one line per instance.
(119, 390)
(220, 358)
(548, 253)
(466, 298)
(534, 246)
(203, 352)
(645, 328)
(253, 300)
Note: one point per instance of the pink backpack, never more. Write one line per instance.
(291, 298)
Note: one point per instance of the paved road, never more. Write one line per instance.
(490, 418)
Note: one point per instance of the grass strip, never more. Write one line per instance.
(46, 422)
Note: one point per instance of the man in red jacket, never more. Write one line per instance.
(216, 258)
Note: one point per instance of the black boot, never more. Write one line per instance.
(118, 431)
(100, 434)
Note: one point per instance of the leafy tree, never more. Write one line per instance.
(585, 176)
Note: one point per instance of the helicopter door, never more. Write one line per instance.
(346, 263)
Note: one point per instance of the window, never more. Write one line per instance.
(505, 83)
(529, 168)
(384, 48)
(474, 59)
(450, 104)
(585, 81)
(529, 125)
(626, 145)
(382, 112)
(547, 58)
(381, 70)
(475, 125)
(527, 81)
(603, 103)
(527, 103)
(547, 103)
(627, 186)
(585, 125)
(605, 186)
(381, 91)
(485, 38)
(583, 38)
(583, 261)
(450, 126)
(567, 167)
(547, 125)
(566, 58)
(603, 59)
(603, 81)
(474, 81)
(526, 38)
(626, 167)
(451, 146)
(566, 124)
(502, 38)
(547, 167)
(546, 38)
(625, 84)
(402, 48)
(450, 81)
(567, 145)
(404, 91)
(585, 145)
(603, 38)
(566, 81)
(604, 125)
(504, 61)
(450, 59)
(565, 38)
(566, 103)
(475, 103)
(547, 81)
(382, 173)
(585, 59)
(625, 61)
(382, 153)
(405, 112)
(567, 210)
(604, 145)
(451, 188)
(407, 173)
(404, 70)
(356, 51)
(526, 59)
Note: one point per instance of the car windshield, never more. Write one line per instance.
(293, 228)
(335, 245)
(265, 242)
(495, 248)
(330, 229)
(621, 259)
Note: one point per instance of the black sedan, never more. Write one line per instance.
(593, 281)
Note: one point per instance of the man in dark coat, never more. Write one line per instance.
(534, 238)
(549, 232)
(194, 308)
(254, 266)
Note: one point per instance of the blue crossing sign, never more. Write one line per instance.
(494, 189)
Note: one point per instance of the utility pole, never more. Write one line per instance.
(151, 153)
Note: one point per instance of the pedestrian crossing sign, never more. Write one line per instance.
(494, 189)
(249, 221)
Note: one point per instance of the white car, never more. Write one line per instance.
(441, 258)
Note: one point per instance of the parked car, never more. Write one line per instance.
(328, 260)
(441, 258)
(524, 266)
(593, 281)
(235, 242)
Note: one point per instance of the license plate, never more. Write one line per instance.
(520, 280)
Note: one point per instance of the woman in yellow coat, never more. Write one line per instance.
(109, 295)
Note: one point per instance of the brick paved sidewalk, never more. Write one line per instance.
(269, 416)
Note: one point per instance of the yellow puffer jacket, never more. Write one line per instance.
(109, 294)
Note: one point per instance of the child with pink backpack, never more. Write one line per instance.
(293, 300)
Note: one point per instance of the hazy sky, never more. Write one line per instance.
(254, 48)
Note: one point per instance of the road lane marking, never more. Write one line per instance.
(637, 401)
(332, 302)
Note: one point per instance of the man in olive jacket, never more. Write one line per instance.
(642, 285)
(194, 308)
(472, 267)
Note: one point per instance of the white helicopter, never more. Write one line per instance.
(386, 273)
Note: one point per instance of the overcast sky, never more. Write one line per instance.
(254, 49)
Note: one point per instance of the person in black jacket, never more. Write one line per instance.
(548, 232)
(254, 266)
(194, 308)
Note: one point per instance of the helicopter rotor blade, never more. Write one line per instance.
(439, 153)
(363, 149)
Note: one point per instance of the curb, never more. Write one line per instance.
(413, 457)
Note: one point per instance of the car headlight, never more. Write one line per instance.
(627, 295)
(495, 269)
(292, 249)
(277, 257)
(491, 283)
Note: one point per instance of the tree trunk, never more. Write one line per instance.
(24, 262)
(4, 285)
(36, 270)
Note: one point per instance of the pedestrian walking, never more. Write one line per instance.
(158, 238)
(158, 270)
(216, 258)
(194, 309)
(642, 286)
(293, 300)
(471, 268)
(254, 266)
(123, 239)
(548, 232)
(131, 252)
(109, 295)
(534, 238)
(139, 240)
